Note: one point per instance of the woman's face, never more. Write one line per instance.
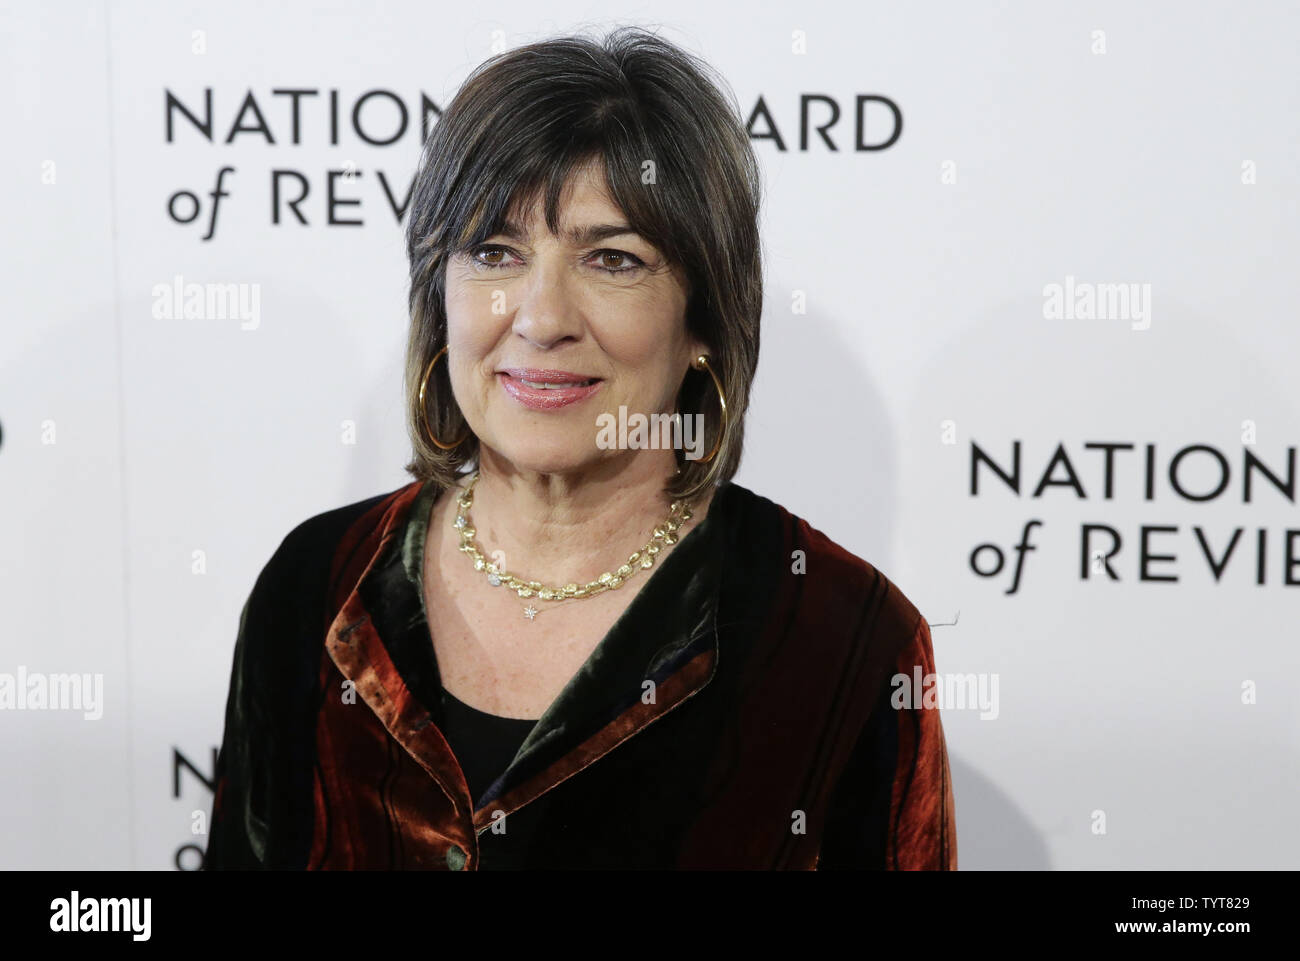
(528, 306)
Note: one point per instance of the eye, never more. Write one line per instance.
(488, 250)
(493, 257)
(627, 263)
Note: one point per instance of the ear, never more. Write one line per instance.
(697, 347)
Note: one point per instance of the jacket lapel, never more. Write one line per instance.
(661, 651)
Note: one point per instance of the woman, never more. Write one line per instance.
(565, 645)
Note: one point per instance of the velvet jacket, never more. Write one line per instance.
(736, 716)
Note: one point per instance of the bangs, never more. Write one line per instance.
(515, 167)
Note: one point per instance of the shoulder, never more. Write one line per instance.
(843, 596)
(329, 530)
(327, 552)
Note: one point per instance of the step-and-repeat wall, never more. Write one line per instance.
(1029, 347)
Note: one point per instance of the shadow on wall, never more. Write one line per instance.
(818, 438)
(993, 834)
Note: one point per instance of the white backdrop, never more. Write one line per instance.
(150, 464)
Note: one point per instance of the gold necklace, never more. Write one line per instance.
(679, 514)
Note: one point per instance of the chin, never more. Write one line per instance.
(551, 455)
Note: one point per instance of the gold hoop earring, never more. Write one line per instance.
(702, 363)
(424, 410)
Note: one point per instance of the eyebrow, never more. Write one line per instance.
(578, 236)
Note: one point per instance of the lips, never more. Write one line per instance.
(547, 389)
(544, 375)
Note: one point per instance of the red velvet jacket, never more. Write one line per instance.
(769, 740)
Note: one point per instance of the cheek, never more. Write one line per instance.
(651, 351)
(646, 339)
(472, 327)
(647, 365)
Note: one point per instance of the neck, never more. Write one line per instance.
(573, 526)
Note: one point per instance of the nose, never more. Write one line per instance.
(548, 311)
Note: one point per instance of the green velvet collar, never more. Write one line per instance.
(670, 622)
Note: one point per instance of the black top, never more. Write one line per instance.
(485, 744)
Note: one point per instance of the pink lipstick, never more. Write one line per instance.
(545, 389)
